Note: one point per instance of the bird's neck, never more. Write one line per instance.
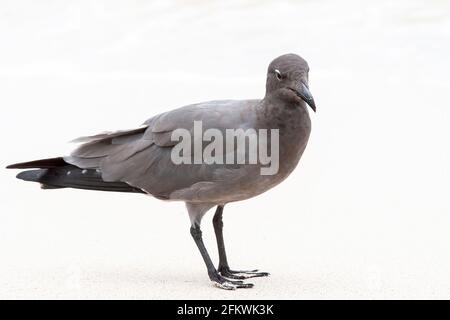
(291, 118)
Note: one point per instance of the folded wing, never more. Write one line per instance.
(141, 157)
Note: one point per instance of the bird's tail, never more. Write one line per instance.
(56, 173)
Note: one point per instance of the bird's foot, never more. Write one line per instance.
(227, 284)
(233, 274)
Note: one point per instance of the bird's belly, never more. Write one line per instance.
(240, 183)
(289, 157)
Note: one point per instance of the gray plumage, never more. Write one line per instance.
(139, 160)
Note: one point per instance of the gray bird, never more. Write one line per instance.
(141, 160)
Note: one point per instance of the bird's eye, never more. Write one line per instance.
(278, 74)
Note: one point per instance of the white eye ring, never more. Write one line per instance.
(278, 74)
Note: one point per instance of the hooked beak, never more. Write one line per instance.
(304, 93)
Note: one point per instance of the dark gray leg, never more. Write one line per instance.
(218, 229)
(219, 280)
(224, 268)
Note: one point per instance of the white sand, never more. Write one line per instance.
(366, 215)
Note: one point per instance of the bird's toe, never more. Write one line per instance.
(228, 284)
(233, 274)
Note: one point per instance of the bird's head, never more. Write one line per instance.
(287, 78)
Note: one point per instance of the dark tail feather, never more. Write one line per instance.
(69, 176)
(38, 175)
(42, 164)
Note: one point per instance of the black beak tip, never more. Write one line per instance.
(312, 105)
(306, 96)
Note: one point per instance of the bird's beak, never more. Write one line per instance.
(304, 93)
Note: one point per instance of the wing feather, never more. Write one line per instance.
(141, 157)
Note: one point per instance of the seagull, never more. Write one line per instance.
(141, 160)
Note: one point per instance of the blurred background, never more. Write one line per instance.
(365, 215)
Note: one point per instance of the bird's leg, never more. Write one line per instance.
(224, 268)
(215, 277)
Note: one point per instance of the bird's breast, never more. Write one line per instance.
(294, 125)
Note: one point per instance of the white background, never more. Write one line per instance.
(366, 213)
